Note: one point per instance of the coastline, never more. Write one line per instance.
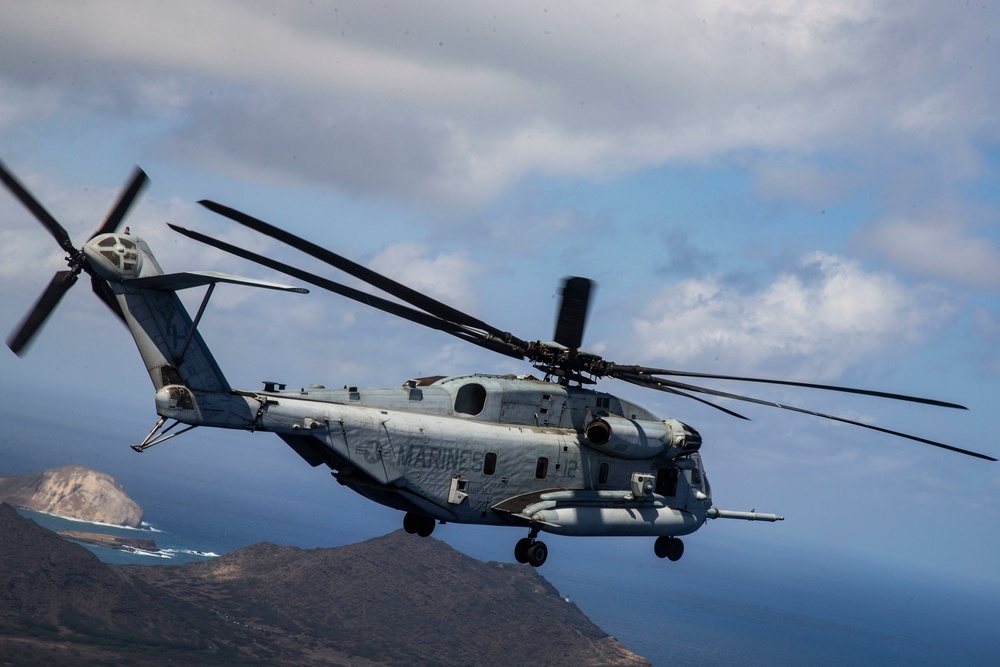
(111, 541)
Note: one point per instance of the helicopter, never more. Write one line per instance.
(551, 454)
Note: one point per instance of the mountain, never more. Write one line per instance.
(56, 594)
(394, 600)
(75, 492)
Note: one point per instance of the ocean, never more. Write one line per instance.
(738, 597)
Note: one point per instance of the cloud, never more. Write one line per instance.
(817, 321)
(794, 178)
(447, 278)
(942, 248)
(448, 105)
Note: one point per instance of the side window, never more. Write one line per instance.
(470, 399)
(490, 463)
(695, 477)
(602, 473)
(542, 467)
(666, 481)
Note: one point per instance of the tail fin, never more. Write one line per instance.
(167, 337)
(168, 340)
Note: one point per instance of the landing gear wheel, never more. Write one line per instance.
(668, 547)
(426, 526)
(537, 553)
(419, 525)
(521, 549)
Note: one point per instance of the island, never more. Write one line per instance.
(74, 492)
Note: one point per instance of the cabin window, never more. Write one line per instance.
(695, 477)
(490, 463)
(666, 481)
(542, 467)
(602, 473)
(470, 399)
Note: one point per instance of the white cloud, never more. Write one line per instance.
(825, 317)
(446, 278)
(942, 248)
(448, 103)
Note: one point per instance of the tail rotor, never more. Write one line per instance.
(28, 328)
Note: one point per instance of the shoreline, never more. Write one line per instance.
(110, 541)
(142, 527)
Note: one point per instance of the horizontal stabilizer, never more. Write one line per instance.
(187, 279)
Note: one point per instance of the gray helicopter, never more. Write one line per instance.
(549, 455)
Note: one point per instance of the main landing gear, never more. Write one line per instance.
(531, 551)
(668, 547)
(418, 524)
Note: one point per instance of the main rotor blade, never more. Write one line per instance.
(398, 290)
(37, 210)
(376, 302)
(643, 370)
(722, 394)
(120, 208)
(21, 337)
(650, 383)
(573, 312)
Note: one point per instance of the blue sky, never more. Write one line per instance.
(805, 190)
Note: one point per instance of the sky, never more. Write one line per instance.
(803, 190)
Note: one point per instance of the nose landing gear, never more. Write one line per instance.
(420, 525)
(668, 547)
(531, 551)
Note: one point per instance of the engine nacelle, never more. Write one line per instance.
(638, 439)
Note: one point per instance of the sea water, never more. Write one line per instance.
(172, 547)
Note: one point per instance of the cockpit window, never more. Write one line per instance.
(470, 399)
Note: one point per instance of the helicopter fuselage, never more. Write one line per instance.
(487, 450)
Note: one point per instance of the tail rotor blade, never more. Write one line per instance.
(37, 210)
(121, 207)
(573, 312)
(21, 337)
(19, 340)
(107, 295)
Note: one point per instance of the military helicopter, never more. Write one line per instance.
(549, 455)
